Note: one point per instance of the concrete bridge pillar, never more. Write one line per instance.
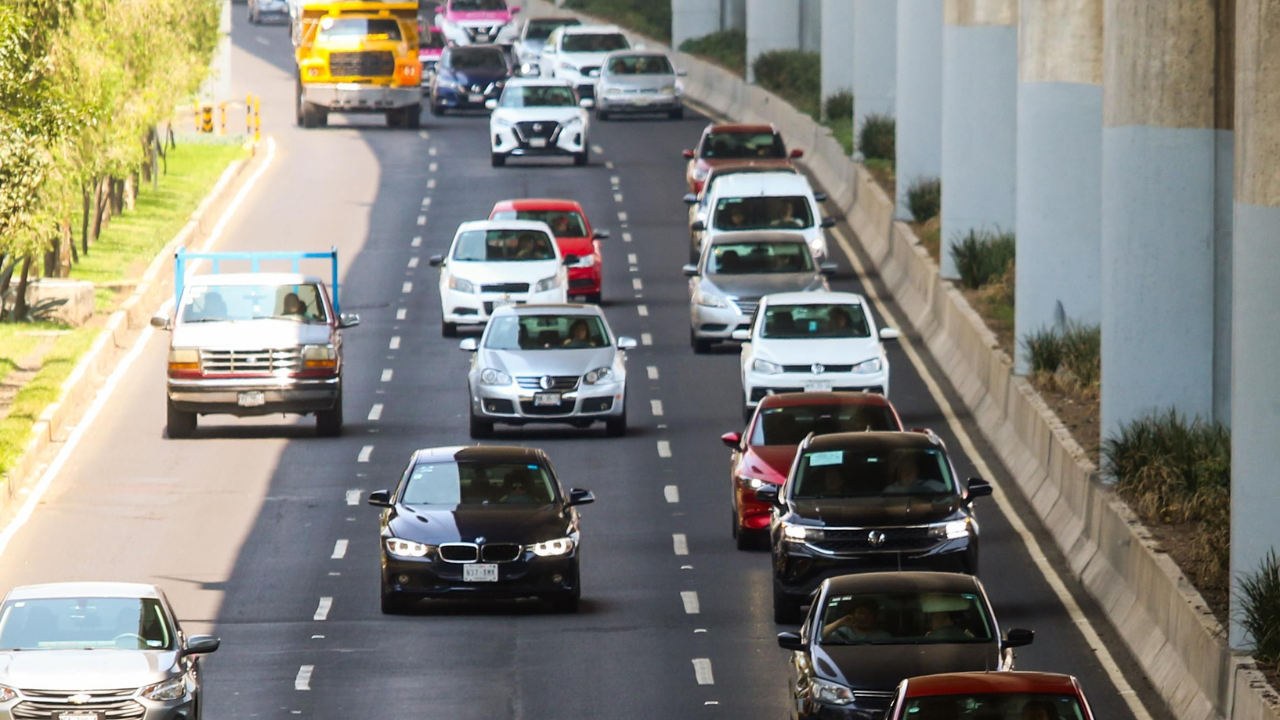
(875, 59)
(1166, 222)
(979, 119)
(1059, 161)
(771, 25)
(837, 47)
(918, 95)
(811, 25)
(1255, 389)
(693, 19)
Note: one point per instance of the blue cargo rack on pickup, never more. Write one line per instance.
(182, 257)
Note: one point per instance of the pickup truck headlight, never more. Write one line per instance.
(874, 365)
(319, 357)
(461, 285)
(184, 360)
(766, 367)
(171, 689)
(597, 376)
(490, 376)
(546, 284)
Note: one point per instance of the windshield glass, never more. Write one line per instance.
(905, 618)
(538, 96)
(790, 425)
(732, 145)
(542, 29)
(368, 28)
(594, 42)
(759, 258)
(504, 246)
(873, 473)
(546, 332)
(216, 303)
(1004, 706)
(563, 223)
(476, 59)
(429, 38)
(84, 623)
(640, 65)
(478, 5)
(477, 483)
(815, 322)
(762, 213)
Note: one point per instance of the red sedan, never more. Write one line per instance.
(957, 696)
(573, 235)
(763, 454)
(735, 143)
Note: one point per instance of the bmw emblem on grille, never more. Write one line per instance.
(875, 538)
(537, 127)
(547, 382)
(818, 369)
(79, 699)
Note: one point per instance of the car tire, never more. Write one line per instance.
(594, 298)
(497, 159)
(582, 158)
(329, 422)
(298, 102)
(617, 427)
(436, 108)
(396, 118)
(448, 329)
(745, 540)
(480, 429)
(313, 115)
(567, 603)
(677, 114)
(413, 116)
(601, 115)
(785, 609)
(394, 603)
(180, 425)
(701, 346)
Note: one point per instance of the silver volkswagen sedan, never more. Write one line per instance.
(97, 650)
(738, 269)
(639, 82)
(548, 364)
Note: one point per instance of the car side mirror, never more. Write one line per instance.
(160, 321)
(741, 335)
(688, 154)
(1018, 637)
(828, 268)
(820, 197)
(379, 498)
(690, 270)
(491, 104)
(979, 488)
(828, 222)
(698, 226)
(889, 333)
(586, 103)
(767, 493)
(435, 260)
(797, 153)
(469, 345)
(570, 259)
(348, 320)
(579, 497)
(690, 199)
(682, 73)
(515, 9)
(790, 641)
(201, 645)
(600, 235)
(594, 73)
(732, 440)
(626, 343)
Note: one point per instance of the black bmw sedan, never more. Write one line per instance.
(866, 633)
(867, 501)
(479, 522)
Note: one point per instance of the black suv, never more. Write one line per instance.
(868, 501)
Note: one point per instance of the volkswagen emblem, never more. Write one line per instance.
(875, 538)
(79, 699)
(818, 369)
(537, 127)
(547, 382)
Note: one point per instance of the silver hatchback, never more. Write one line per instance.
(97, 651)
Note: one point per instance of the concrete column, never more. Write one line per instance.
(733, 14)
(875, 59)
(693, 19)
(1255, 405)
(811, 25)
(918, 95)
(1166, 164)
(771, 25)
(1059, 161)
(979, 118)
(217, 86)
(837, 47)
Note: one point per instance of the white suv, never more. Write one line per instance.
(762, 201)
(536, 117)
(575, 53)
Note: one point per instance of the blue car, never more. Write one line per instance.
(466, 76)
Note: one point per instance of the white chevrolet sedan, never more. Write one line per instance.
(812, 342)
(537, 117)
(498, 263)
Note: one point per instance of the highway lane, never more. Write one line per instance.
(244, 524)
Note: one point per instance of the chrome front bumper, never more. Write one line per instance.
(350, 97)
(299, 396)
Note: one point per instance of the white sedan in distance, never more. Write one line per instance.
(536, 117)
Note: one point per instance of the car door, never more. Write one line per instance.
(550, 51)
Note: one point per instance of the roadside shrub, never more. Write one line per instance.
(1260, 609)
(839, 106)
(644, 16)
(1044, 351)
(924, 199)
(794, 76)
(727, 48)
(1071, 356)
(876, 138)
(982, 255)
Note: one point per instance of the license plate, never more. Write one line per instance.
(537, 142)
(79, 715)
(546, 399)
(817, 386)
(251, 399)
(480, 572)
(348, 86)
(505, 302)
(477, 97)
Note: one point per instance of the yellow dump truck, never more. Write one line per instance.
(358, 56)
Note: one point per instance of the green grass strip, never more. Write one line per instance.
(35, 396)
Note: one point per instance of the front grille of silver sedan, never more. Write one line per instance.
(102, 702)
(250, 362)
(559, 383)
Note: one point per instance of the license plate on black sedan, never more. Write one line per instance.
(546, 399)
(480, 572)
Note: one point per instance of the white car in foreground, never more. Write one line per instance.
(538, 118)
(498, 263)
(812, 342)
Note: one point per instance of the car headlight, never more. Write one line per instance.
(7, 694)
(707, 299)
(503, 122)
(953, 530)
(553, 548)
(407, 548)
(669, 90)
(751, 483)
(801, 533)
(700, 173)
(867, 367)
(319, 357)
(574, 121)
(445, 81)
(569, 66)
(613, 91)
(172, 689)
(766, 367)
(184, 359)
(529, 68)
(829, 692)
(490, 376)
(461, 285)
(599, 375)
(585, 261)
(546, 284)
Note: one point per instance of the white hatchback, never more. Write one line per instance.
(812, 342)
(498, 263)
(782, 200)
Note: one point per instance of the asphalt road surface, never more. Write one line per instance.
(258, 531)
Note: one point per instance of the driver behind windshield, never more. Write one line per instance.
(860, 624)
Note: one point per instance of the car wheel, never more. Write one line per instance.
(617, 427)
(329, 422)
(582, 158)
(745, 540)
(785, 609)
(448, 329)
(394, 603)
(733, 512)
(313, 116)
(297, 106)
(677, 114)
(701, 346)
(181, 425)
(395, 118)
(601, 114)
(497, 159)
(413, 116)
(594, 298)
(480, 429)
(436, 108)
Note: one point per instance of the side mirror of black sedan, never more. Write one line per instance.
(732, 440)
(790, 641)
(1017, 637)
(979, 488)
(579, 497)
(201, 645)
(435, 260)
(380, 498)
(767, 493)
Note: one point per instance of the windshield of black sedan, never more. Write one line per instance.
(504, 246)
(997, 706)
(873, 473)
(905, 618)
(478, 483)
(763, 213)
(91, 623)
(790, 425)
(527, 96)
(221, 303)
(809, 322)
(546, 332)
(760, 258)
(476, 59)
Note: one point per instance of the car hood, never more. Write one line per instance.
(755, 286)
(473, 18)
(549, 362)
(84, 669)
(432, 525)
(753, 162)
(770, 462)
(249, 334)
(882, 667)
(834, 351)
(878, 510)
(576, 246)
(530, 271)
(478, 76)
(539, 114)
(580, 59)
(531, 47)
(641, 82)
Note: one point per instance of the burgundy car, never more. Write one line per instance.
(726, 143)
(961, 696)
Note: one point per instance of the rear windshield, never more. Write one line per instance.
(1003, 706)
(218, 303)
(542, 29)
(925, 618)
(790, 425)
(594, 42)
(763, 213)
(546, 332)
(802, 322)
(760, 258)
(477, 483)
(476, 59)
(640, 65)
(369, 28)
(504, 246)
(563, 223)
(91, 623)
(477, 5)
(873, 473)
(726, 146)
(538, 96)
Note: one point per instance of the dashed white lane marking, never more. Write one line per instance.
(353, 496)
(432, 151)
(702, 671)
(303, 680)
(261, 40)
(375, 412)
(646, 339)
(710, 702)
(680, 544)
(671, 493)
(631, 259)
(401, 313)
(417, 241)
(422, 220)
(622, 216)
(424, 134)
(322, 610)
(656, 407)
(433, 167)
(407, 287)
(617, 197)
(626, 237)
(431, 184)
(597, 149)
(643, 310)
(413, 261)
(426, 203)
(614, 179)
(608, 164)
(690, 600)
(365, 452)
(387, 374)
(653, 372)
(664, 448)
(637, 284)
(339, 550)
(395, 342)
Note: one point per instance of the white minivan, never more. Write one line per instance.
(762, 201)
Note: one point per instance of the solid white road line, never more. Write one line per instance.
(643, 310)
(671, 493)
(413, 261)
(636, 283)
(664, 449)
(656, 407)
(353, 496)
(626, 237)
(303, 680)
(400, 314)
(631, 259)
(387, 374)
(339, 550)
(365, 452)
(653, 372)
(680, 544)
(417, 241)
(422, 219)
(395, 342)
(407, 287)
(322, 610)
(690, 600)
(375, 412)
(702, 671)
(1078, 618)
(646, 339)
(622, 217)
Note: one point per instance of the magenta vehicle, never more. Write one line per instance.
(473, 22)
(431, 44)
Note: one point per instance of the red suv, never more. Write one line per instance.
(764, 453)
(734, 143)
(573, 235)
(1030, 695)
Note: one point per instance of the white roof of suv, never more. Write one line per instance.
(763, 184)
(591, 30)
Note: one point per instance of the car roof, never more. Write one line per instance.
(559, 18)
(504, 225)
(821, 297)
(758, 236)
(903, 581)
(537, 82)
(824, 398)
(489, 453)
(763, 183)
(259, 278)
(591, 29)
(873, 441)
(751, 166)
(636, 51)
(740, 128)
(537, 204)
(84, 589)
(543, 308)
(991, 683)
